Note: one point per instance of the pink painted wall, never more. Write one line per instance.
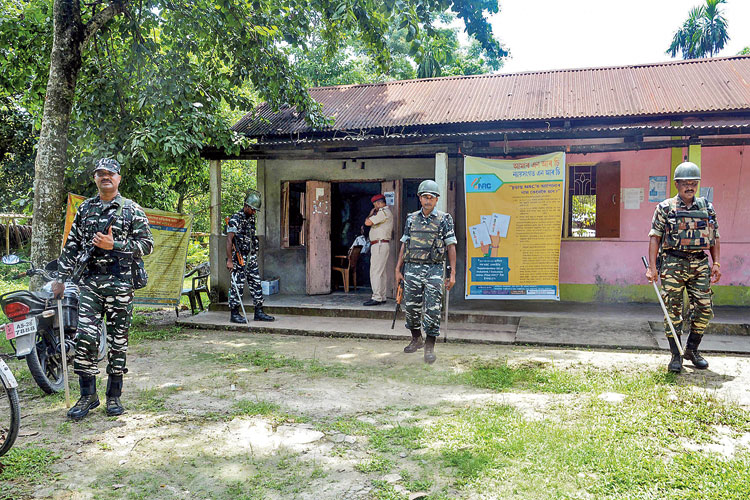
(617, 261)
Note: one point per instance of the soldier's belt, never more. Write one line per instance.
(686, 255)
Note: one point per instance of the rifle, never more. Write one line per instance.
(88, 251)
(399, 298)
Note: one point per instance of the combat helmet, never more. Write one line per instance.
(252, 199)
(430, 187)
(687, 171)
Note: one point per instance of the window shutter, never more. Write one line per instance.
(284, 215)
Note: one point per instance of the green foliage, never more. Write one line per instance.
(703, 34)
(744, 52)
(17, 140)
(197, 253)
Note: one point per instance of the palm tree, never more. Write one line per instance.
(703, 34)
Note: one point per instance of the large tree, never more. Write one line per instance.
(163, 75)
(703, 34)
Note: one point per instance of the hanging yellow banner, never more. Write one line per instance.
(166, 264)
(514, 211)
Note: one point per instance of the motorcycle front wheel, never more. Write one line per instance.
(10, 417)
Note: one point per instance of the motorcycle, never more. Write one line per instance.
(10, 410)
(34, 330)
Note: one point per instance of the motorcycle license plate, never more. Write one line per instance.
(20, 328)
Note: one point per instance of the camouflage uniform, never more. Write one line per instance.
(246, 242)
(426, 240)
(106, 284)
(683, 269)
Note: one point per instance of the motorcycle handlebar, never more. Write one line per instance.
(35, 271)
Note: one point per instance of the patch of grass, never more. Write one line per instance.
(30, 463)
(378, 464)
(384, 491)
(139, 334)
(250, 408)
(347, 425)
(396, 438)
(259, 358)
(153, 400)
(545, 378)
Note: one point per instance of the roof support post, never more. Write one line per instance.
(215, 253)
(441, 177)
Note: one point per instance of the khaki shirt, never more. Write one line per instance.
(382, 225)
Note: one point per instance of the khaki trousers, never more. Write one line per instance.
(378, 262)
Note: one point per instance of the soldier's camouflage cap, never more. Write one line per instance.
(108, 164)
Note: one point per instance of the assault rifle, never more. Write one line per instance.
(399, 299)
(88, 251)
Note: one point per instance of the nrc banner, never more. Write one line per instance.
(514, 211)
(166, 264)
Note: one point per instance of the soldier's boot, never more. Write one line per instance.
(236, 317)
(88, 400)
(114, 391)
(675, 364)
(429, 350)
(417, 342)
(261, 316)
(692, 354)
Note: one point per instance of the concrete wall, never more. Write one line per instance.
(599, 270)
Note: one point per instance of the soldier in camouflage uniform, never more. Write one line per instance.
(106, 282)
(428, 236)
(242, 247)
(683, 228)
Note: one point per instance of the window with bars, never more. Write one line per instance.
(582, 201)
(593, 201)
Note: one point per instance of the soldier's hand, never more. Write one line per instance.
(230, 264)
(105, 241)
(450, 282)
(715, 274)
(58, 288)
(651, 274)
(399, 277)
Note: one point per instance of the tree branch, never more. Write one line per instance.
(102, 17)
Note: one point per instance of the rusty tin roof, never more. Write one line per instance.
(664, 89)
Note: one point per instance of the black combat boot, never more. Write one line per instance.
(88, 400)
(429, 350)
(261, 316)
(675, 364)
(236, 317)
(417, 342)
(692, 354)
(114, 391)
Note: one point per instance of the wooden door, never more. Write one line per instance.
(608, 200)
(394, 187)
(318, 237)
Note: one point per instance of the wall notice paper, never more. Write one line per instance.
(166, 264)
(390, 198)
(707, 193)
(657, 188)
(632, 198)
(525, 197)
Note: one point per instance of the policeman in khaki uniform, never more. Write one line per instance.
(428, 237)
(106, 283)
(242, 246)
(684, 227)
(380, 222)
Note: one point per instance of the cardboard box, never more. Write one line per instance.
(270, 287)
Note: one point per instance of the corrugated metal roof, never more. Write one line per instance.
(672, 88)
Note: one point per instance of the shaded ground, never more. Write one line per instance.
(215, 414)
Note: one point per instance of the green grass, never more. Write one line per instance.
(379, 464)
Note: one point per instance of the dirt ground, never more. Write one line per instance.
(184, 437)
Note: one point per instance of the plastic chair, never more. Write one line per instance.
(348, 265)
(199, 284)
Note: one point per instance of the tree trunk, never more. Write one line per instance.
(52, 157)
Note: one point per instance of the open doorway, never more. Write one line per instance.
(350, 203)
